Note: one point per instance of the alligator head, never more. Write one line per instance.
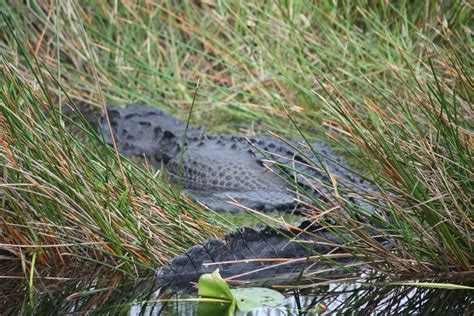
(144, 131)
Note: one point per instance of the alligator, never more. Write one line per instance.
(257, 172)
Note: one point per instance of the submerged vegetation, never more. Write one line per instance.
(389, 85)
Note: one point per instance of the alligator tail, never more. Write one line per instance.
(255, 254)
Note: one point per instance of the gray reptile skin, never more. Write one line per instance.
(233, 255)
(218, 168)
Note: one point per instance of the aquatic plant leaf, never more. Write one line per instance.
(212, 285)
(246, 299)
(254, 297)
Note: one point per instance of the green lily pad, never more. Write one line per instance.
(254, 297)
(245, 299)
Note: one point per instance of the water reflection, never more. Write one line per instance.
(93, 291)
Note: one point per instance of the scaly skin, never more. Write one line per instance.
(255, 171)
(261, 244)
(217, 168)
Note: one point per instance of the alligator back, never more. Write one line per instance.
(220, 168)
(257, 172)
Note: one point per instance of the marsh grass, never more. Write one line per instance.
(63, 201)
(252, 59)
(420, 159)
(389, 84)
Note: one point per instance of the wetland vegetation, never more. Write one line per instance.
(389, 85)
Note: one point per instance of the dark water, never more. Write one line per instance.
(88, 291)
